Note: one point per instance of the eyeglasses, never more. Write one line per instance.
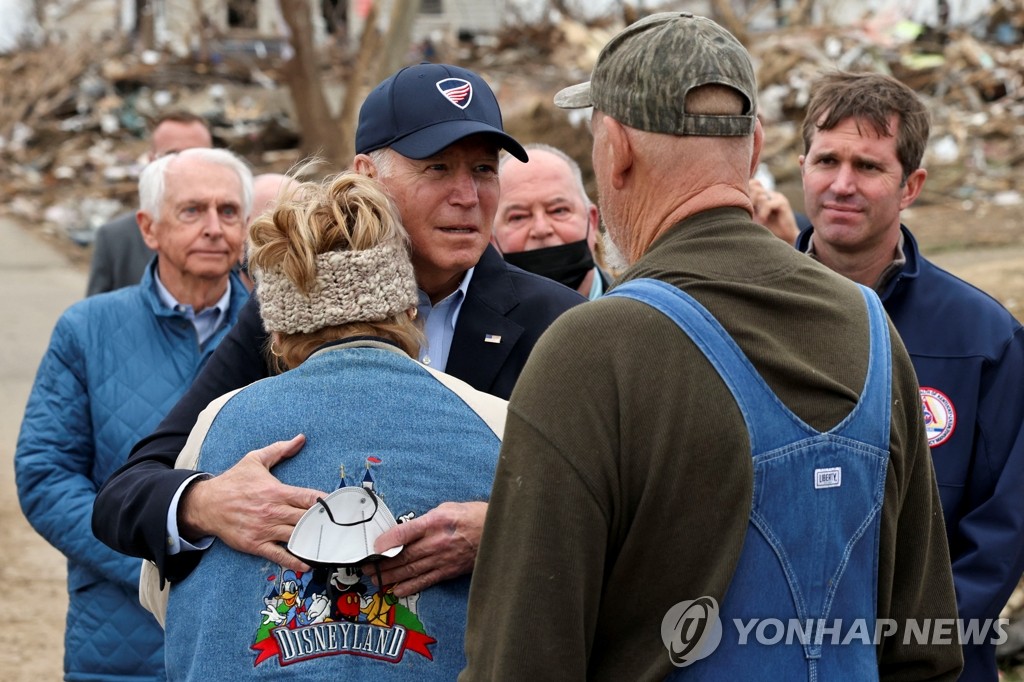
(228, 214)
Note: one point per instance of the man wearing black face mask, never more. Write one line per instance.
(546, 224)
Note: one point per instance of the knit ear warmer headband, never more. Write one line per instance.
(351, 286)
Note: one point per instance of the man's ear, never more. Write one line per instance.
(620, 152)
(912, 188)
(148, 229)
(593, 223)
(755, 157)
(364, 165)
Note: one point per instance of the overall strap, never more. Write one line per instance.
(757, 402)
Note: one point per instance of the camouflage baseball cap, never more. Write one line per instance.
(643, 74)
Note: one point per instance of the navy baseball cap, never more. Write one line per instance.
(420, 110)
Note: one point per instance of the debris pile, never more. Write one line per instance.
(73, 123)
(73, 117)
(974, 90)
(972, 80)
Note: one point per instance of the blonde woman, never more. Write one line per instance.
(386, 439)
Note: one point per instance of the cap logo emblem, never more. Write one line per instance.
(457, 91)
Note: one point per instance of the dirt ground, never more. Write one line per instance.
(983, 245)
(37, 284)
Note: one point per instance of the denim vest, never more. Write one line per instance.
(373, 419)
(810, 556)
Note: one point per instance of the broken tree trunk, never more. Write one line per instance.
(319, 129)
(396, 42)
(353, 98)
(333, 138)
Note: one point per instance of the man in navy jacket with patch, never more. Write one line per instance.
(864, 137)
(431, 134)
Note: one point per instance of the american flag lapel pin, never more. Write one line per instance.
(492, 338)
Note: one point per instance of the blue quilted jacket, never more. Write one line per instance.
(116, 364)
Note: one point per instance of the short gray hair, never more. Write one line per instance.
(152, 180)
(383, 160)
(577, 173)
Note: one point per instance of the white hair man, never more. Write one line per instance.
(116, 363)
(119, 253)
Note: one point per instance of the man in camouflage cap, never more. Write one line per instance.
(751, 449)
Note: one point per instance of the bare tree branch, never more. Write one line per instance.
(349, 115)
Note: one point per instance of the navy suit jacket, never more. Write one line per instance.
(130, 513)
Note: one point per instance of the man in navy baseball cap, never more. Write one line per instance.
(420, 110)
(431, 133)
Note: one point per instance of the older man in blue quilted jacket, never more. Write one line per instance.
(117, 362)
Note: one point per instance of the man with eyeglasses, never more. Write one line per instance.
(119, 253)
(116, 363)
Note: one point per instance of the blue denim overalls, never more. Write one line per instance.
(809, 566)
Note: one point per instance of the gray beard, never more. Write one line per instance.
(612, 256)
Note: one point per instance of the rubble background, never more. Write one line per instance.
(73, 118)
(73, 115)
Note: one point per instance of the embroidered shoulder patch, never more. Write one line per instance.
(939, 416)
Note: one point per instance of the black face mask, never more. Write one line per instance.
(565, 263)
